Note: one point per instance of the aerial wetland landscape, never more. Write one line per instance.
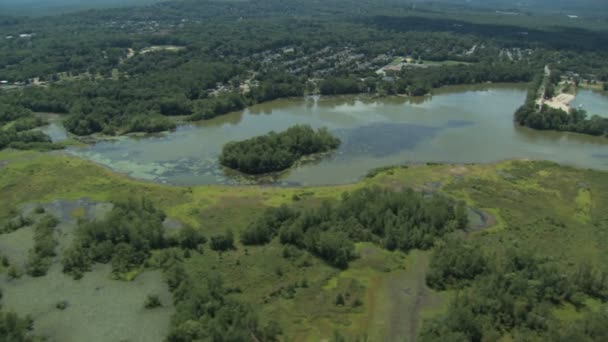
(265, 170)
(472, 124)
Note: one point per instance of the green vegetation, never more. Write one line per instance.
(105, 77)
(40, 258)
(547, 118)
(277, 151)
(152, 301)
(397, 220)
(16, 125)
(528, 206)
(223, 242)
(125, 238)
(511, 295)
(16, 223)
(206, 312)
(14, 328)
(455, 264)
(393, 257)
(558, 120)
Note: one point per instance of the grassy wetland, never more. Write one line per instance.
(557, 212)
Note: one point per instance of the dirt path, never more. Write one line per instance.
(409, 297)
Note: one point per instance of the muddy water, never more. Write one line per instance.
(98, 307)
(458, 124)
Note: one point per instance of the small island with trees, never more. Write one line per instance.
(275, 152)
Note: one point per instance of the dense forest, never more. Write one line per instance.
(277, 151)
(131, 70)
(511, 295)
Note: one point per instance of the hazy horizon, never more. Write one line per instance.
(37, 7)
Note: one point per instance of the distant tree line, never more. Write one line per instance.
(222, 67)
(511, 295)
(396, 220)
(420, 81)
(276, 151)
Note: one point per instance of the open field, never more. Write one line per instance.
(559, 212)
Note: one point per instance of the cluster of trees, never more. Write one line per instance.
(215, 106)
(547, 118)
(277, 151)
(14, 328)
(10, 112)
(16, 124)
(223, 242)
(205, 311)
(455, 264)
(26, 140)
(511, 294)
(41, 256)
(125, 238)
(342, 85)
(19, 222)
(558, 120)
(396, 220)
(418, 82)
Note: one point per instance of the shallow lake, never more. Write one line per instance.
(594, 102)
(456, 125)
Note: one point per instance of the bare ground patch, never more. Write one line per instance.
(409, 297)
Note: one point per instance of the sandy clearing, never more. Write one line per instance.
(561, 101)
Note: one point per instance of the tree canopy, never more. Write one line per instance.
(277, 151)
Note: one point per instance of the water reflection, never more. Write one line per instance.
(459, 124)
(383, 139)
